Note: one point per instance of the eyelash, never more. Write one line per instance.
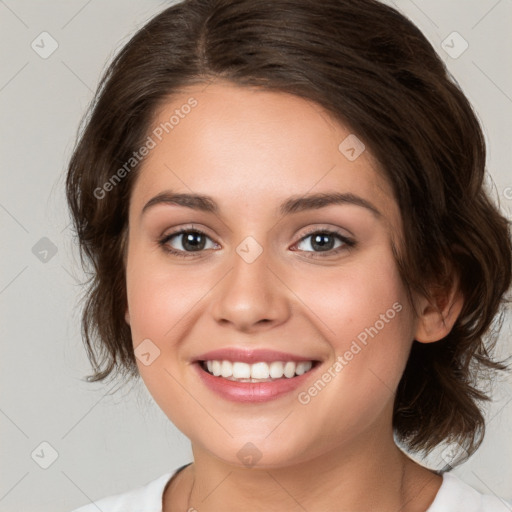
(348, 243)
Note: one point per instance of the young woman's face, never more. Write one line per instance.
(267, 270)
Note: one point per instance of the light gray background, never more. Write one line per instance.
(108, 444)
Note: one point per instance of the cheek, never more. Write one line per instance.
(364, 314)
(159, 296)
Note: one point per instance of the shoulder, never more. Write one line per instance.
(454, 495)
(145, 498)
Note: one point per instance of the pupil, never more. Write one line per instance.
(319, 241)
(191, 242)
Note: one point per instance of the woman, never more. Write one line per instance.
(291, 245)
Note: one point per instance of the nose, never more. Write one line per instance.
(252, 296)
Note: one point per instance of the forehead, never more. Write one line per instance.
(255, 146)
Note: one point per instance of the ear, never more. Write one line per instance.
(437, 317)
(127, 316)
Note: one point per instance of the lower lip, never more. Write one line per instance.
(252, 391)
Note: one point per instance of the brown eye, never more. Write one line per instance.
(323, 241)
(185, 241)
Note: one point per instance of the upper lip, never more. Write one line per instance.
(250, 356)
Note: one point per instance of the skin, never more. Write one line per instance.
(250, 150)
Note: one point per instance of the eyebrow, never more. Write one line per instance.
(294, 204)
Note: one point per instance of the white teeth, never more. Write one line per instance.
(241, 370)
(226, 369)
(216, 368)
(260, 371)
(289, 369)
(302, 368)
(276, 369)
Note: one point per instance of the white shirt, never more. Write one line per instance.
(453, 496)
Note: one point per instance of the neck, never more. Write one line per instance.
(366, 475)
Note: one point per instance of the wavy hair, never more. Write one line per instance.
(376, 73)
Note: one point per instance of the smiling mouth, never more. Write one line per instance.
(261, 371)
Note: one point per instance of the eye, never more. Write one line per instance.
(191, 240)
(323, 241)
(195, 240)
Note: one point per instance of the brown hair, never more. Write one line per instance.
(375, 72)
